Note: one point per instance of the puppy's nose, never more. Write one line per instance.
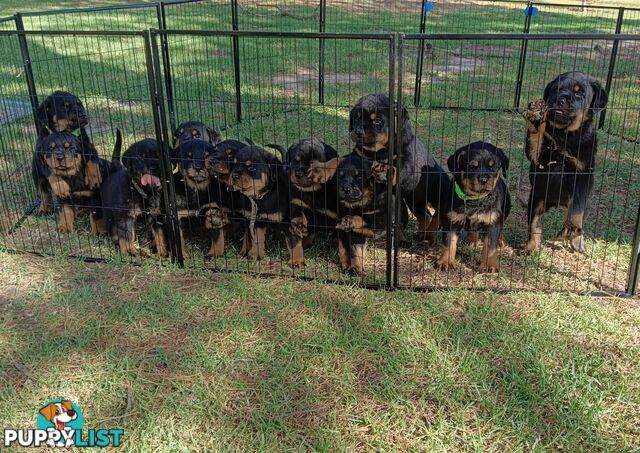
(197, 165)
(235, 176)
(59, 156)
(359, 131)
(301, 172)
(484, 179)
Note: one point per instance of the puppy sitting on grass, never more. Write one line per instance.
(258, 175)
(362, 208)
(478, 202)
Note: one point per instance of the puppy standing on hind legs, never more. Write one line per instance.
(478, 202)
(561, 146)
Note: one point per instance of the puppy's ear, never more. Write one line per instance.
(600, 96)
(504, 159)
(553, 85)
(454, 160)
(451, 163)
(214, 137)
(43, 133)
(330, 152)
(174, 155)
(42, 113)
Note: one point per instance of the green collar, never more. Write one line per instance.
(463, 196)
(76, 132)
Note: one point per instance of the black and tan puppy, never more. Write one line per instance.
(478, 202)
(362, 209)
(64, 112)
(190, 130)
(133, 191)
(259, 177)
(561, 145)
(314, 199)
(422, 181)
(199, 192)
(58, 168)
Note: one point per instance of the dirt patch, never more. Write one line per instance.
(294, 81)
(452, 65)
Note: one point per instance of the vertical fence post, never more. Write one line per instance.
(393, 107)
(323, 12)
(160, 123)
(422, 29)
(523, 54)
(236, 58)
(28, 70)
(396, 214)
(612, 62)
(168, 82)
(634, 268)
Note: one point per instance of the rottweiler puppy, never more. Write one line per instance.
(561, 145)
(478, 202)
(422, 181)
(190, 130)
(199, 191)
(314, 199)
(259, 177)
(132, 191)
(58, 169)
(63, 111)
(362, 209)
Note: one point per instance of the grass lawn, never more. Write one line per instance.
(227, 362)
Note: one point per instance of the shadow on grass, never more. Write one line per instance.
(271, 364)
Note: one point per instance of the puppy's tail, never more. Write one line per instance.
(117, 149)
(281, 149)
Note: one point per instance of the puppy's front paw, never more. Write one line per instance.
(379, 171)
(215, 218)
(489, 268)
(535, 114)
(345, 223)
(298, 227)
(445, 263)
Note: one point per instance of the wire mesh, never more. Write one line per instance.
(109, 74)
(480, 72)
(278, 88)
(280, 104)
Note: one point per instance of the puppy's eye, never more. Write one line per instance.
(182, 131)
(52, 145)
(67, 104)
(228, 152)
(475, 163)
(491, 164)
(378, 122)
(297, 158)
(356, 172)
(67, 145)
(341, 173)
